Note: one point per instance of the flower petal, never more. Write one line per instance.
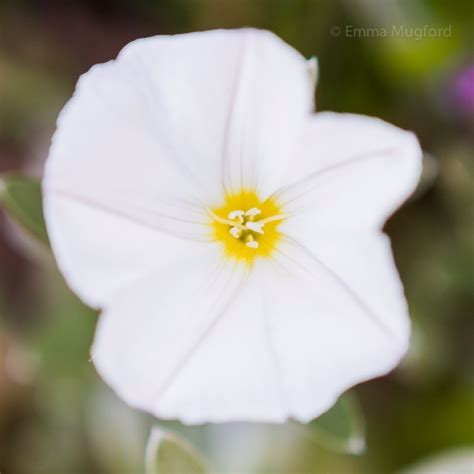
(101, 252)
(229, 102)
(350, 317)
(351, 172)
(233, 377)
(336, 320)
(186, 345)
(106, 153)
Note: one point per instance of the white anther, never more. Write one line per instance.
(253, 212)
(238, 214)
(253, 244)
(255, 226)
(235, 232)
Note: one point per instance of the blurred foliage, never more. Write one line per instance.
(21, 197)
(342, 428)
(167, 453)
(56, 416)
(459, 461)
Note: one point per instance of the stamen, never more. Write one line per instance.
(255, 211)
(277, 217)
(245, 222)
(255, 226)
(225, 221)
(242, 225)
(251, 242)
(235, 232)
(238, 214)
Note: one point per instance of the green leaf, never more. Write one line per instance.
(167, 453)
(341, 428)
(21, 197)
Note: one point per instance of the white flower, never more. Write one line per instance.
(231, 236)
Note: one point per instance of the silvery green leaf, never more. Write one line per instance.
(340, 429)
(167, 453)
(21, 197)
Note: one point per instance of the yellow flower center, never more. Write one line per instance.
(246, 226)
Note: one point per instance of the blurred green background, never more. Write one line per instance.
(56, 416)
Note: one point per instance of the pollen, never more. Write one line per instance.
(246, 226)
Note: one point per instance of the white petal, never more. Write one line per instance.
(233, 376)
(100, 252)
(351, 172)
(106, 152)
(350, 318)
(337, 318)
(182, 345)
(230, 102)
